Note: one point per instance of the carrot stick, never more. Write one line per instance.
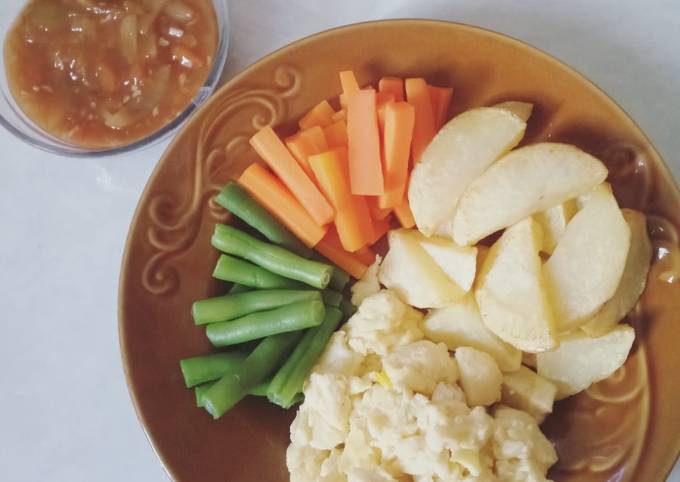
(399, 124)
(380, 229)
(336, 134)
(365, 255)
(381, 101)
(404, 214)
(331, 248)
(418, 95)
(272, 195)
(316, 137)
(364, 144)
(365, 220)
(349, 82)
(394, 85)
(377, 213)
(320, 115)
(332, 175)
(270, 148)
(301, 148)
(441, 101)
(306, 143)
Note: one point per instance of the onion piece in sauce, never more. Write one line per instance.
(179, 12)
(128, 38)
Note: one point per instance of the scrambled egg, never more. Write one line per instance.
(385, 405)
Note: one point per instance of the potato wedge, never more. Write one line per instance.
(523, 182)
(586, 267)
(460, 324)
(580, 361)
(414, 276)
(525, 390)
(479, 376)
(554, 221)
(633, 280)
(520, 109)
(510, 290)
(462, 150)
(459, 263)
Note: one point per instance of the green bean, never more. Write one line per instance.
(347, 308)
(339, 279)
(229, 307)
(242, 272)
(331, 298)
(206, 368)
(290, 378)
(260, 390)
(237, 288)
(293, 317)
(235, 199)
(271, 257)
(236, 384)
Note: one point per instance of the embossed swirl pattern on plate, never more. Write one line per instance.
(175, 220)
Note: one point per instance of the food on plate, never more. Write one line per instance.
(274, 152)
(383, 403)
(398, 131)
(511, 292)
(367, 285)
(274, 258)
(454, 345)
(632, 282)
(460, 325)
(405, 365)
(235, 270)
(331, 171)
(462, 150)
(364, 143)
(424, 128)
(480, 376)
(259, 390)
(410, 271)
(236, 200)
(580, 360)
(586, 267)
(293, 322)
(202, 369)
(234, 305)
(255, 326)
(525, 181)
(236, 383)
(525, 390)
(522, 110)
(287, 384)
(272, 195)
(331, 247)
(105, 74)
(458, 262)
(554, 221)
(441, 101)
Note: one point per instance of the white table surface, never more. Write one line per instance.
(65, 413)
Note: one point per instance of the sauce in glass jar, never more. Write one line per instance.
(107, 73)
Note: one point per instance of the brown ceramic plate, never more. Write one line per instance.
(625, 428)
